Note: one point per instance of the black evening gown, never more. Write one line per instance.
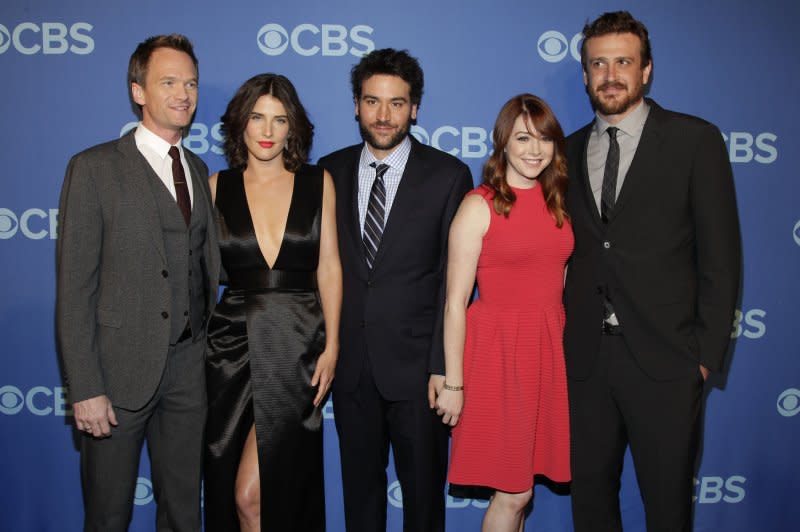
(263, 343)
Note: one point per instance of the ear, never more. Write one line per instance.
(355, 104)
(138, 93)
(585, 78)
(646, 73)
(414, 112)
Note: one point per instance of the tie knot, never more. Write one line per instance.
(612, 132)
(380, 169)
(174, 153)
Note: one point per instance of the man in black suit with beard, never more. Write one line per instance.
(651, 287)
(397, 198)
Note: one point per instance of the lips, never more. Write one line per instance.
(266, 144)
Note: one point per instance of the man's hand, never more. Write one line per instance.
(704, 371)
(95, 416)
(435, 385)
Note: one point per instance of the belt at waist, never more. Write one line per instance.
(273, 280)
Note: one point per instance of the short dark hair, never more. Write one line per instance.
(391, 62)
(237, 114)
(140, 59)
(617, 22)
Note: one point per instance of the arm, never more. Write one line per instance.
(718, 248)
(329, 280)
(464, 248)
(78, 255)
(461, 185)
(212, 185)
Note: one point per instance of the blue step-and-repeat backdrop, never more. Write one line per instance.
(63, 68)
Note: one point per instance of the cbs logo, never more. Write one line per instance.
(196, 139)
(468, 142)
(553, 46)
(394, 494)
(789, 402)
(34, 224)
(308, 39)
(749, 324)
(39, 400)
(711, 490)
(29, 38)
(796, 233)
(744, 147)
(143, 494)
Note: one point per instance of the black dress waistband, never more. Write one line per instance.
(273, 280)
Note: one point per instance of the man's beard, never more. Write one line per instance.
(389, 144)
(616, 106)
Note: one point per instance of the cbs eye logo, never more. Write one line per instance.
(144, 492)
(789, 402)
(11, 400)
(395, 494)
(553, 46)
(273, 39)
(796, 233)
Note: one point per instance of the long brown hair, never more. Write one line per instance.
(553, 179)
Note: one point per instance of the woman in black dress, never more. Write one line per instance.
(273, 338)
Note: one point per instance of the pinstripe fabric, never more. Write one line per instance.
(376, 211)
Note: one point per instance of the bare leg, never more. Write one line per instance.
(506, 512)
(248, 486)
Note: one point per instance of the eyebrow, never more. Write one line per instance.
(392, 99)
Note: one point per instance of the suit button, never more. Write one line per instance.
(165, 314)
(190, 252)
(599, 289)
(362, 324)
(370, 283)
(607, 244)
(190, 273)
(185, 312)
(164, 273)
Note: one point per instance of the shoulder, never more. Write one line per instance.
(681, 125)
(482, 191)
(100, 153)
(340, 157)
(578, 138)
(438, 158)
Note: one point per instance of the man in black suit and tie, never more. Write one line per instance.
(651, 286)
(397, 199)
(137, 270)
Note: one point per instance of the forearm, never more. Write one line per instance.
(455, 321)
(329, 280)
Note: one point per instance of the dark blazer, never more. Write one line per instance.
(393, 314)
(113, 337)
(669, 257)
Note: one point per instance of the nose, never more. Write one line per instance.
(267, 128)
(383, 112)
(536, 146)
(611, 72)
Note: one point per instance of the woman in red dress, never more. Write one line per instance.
(505, 390)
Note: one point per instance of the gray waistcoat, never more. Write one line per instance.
(186, 267)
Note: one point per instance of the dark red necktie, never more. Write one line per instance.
(181, 186)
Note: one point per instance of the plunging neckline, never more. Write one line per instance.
(285, 225)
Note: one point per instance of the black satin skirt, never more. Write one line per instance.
(263, 348)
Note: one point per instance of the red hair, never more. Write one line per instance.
(553, 179)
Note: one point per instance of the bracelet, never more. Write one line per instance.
(453, 388)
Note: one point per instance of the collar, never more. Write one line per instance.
(145, 137)
(631, 125)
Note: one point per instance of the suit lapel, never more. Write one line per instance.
(139, 190)
(407, 192)
(583, 174)
(348, 189)
(645, 156)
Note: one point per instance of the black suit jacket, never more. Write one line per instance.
(393, 314)
(669, 257)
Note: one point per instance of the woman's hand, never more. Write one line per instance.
(323, 374)
(449, 405)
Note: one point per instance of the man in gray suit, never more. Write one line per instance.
(137, 270)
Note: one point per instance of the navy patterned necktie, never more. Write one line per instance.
(608, 196)
(376, 214)
(181, 187)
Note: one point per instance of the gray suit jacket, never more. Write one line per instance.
(113, 338)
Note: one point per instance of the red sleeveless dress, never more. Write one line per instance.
(515, 421)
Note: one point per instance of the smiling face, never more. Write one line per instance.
(527, 153)
(267, 130)
(614, 75)
(169, 94)
(385, 113)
